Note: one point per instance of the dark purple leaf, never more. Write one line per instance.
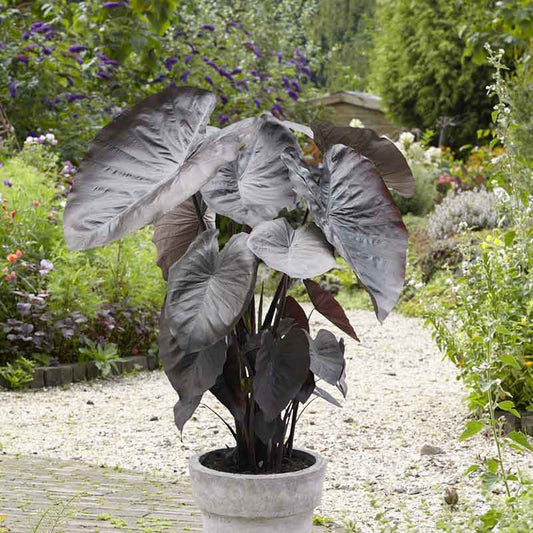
(301, 253)
(355, 210)
(390, 162)
(282, 366)
(294, 310)
(327, 357)
(209, 290)
(327, 306)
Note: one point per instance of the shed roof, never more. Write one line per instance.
(356, 98)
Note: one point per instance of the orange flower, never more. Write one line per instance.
(13, 214)
(12, 258)
(11, 276)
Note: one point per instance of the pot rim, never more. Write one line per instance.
(318, 466)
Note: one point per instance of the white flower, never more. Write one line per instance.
(356, 123)
(433, 153)
(406, 139)
(29, 140)
(50, 137)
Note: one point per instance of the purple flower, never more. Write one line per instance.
(285, 82)
(101, 56)
(296, 85)
(280, 57)
(159, 78)
(236, 71)
(257, 102)
(7, 183)
(21, 58)
(209, 80)
(46, 267)
(72, 97)
(187, 59)
(226, 75)
(170, 62)
(209, 27)
(110, 5)
(223, 119)
(254, 48)
(277, 111)
(30, 47)
(243, 83)
(76, 48)
(293, 95)
(232, 24)
(111, 62)
(2, 45)
(13, 89)
(185, 76)
(26, 35)
(306, 71)
(103, 75)
(47, 51)
(224, 99)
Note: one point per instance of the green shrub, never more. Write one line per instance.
(489, 330)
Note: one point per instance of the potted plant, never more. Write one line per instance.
(160, 163)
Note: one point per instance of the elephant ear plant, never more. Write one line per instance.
(160, 163)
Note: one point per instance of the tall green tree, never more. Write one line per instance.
(420, 69)
(340, 30)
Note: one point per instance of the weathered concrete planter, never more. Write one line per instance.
(276, 503)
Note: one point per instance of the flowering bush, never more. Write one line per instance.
(488, 332)
(52, 303)
(74, 66)
(473, 210)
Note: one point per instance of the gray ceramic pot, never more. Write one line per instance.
(272, 503)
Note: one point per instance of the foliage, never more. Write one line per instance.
(213, 334)
(501, 23)
(343, 43)
(488, 333)
(17, 374)
(70, 67)
(472, 210)
(53, 302)
(105, 356)
(418, 68)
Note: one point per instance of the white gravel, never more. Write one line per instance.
(402, 395)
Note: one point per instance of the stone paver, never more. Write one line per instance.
(51, 496)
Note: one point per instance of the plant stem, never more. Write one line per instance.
(197, 206)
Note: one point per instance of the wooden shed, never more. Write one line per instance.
(342, 107)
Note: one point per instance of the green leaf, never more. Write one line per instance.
(509, 237)
(492, 465)
(510, 360)
(472, 428)
(508, 406)
(470, 469)
(520, 439)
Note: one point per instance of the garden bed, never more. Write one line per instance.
(55, 376)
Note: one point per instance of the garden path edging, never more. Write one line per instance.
(56, 376)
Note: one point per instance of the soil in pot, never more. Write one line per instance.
(224, 461)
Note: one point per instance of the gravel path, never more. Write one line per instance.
(401, 396)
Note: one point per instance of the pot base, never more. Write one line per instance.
(263, 503)
(301, 523)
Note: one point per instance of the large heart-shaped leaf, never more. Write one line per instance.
(327, 357)
(325, 395)
(184, 409)
(175, 231)
(327, 306)
(191, 374)
(300, 253)
(357, 214)
(145, 162)
(208, 291)
(255, 186)
(294, 310)
(282, 366)
(389, 161)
